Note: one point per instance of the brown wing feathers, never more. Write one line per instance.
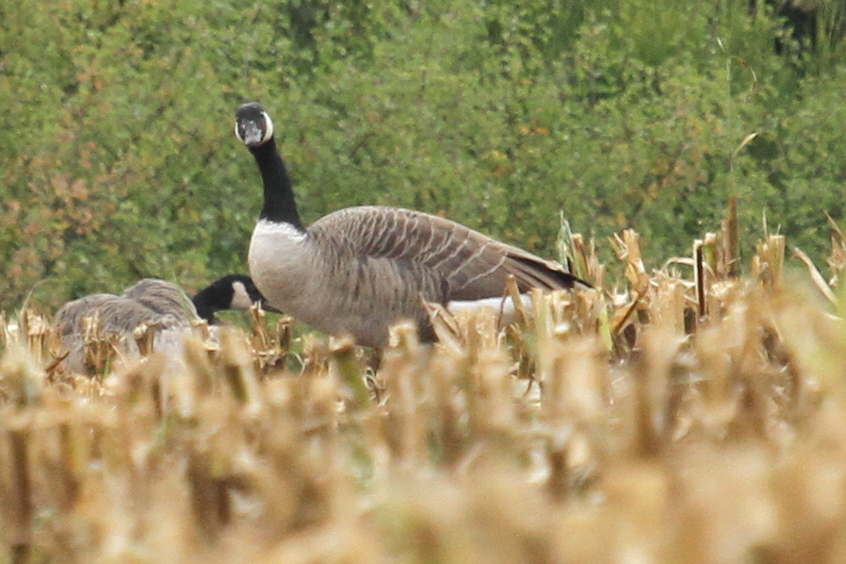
(474, 265)
(532, 273)
(471, 265)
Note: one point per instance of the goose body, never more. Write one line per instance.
(148, 301)
(358, 270)
(154, 302)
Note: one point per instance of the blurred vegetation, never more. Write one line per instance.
(117, 158)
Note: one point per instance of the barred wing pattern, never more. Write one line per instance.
(448, 260)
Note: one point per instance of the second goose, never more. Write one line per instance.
(359, 270)
(152, 301)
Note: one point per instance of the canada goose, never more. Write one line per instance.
(152, 301)
(358, 270)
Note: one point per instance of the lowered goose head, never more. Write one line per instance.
(236, 291)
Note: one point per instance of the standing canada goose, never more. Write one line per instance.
(358, 270)
(152, 301)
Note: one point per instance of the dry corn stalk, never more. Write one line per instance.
(768, 262)
(730, 256)
(627, 248)
(649, 453)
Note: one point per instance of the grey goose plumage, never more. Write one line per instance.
(358, 270)
(148, 301)
(154, 302)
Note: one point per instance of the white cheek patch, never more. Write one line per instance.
(268, 127)
(500, 306)
(240, 297)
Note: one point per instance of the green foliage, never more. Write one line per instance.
(117, 158)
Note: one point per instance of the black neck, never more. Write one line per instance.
(279, 205)
(208, 301)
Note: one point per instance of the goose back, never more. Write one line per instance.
(115, 314)
(163, 297)
(470, 265)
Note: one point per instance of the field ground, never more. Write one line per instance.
(690, 416)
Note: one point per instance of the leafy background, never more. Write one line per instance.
(118, 161)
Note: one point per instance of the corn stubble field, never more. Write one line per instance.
(691, 415)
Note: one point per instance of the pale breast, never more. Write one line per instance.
(279, 261)
(328, 286)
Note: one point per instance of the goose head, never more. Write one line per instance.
(245, 294)
(253, 125)
(235, 291)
